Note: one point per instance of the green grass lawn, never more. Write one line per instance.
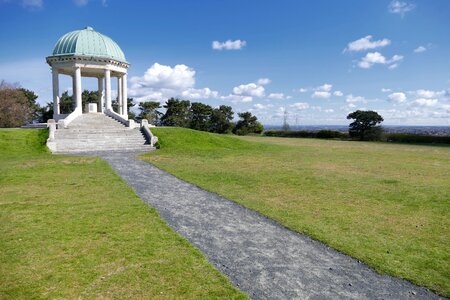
(387, 205)
(71, 228)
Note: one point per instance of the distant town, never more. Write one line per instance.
(420, 130)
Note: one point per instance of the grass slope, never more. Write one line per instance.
(71, 228)
(387, 205)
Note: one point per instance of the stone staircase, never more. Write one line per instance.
(97, 132)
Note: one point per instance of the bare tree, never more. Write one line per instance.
(14, 106)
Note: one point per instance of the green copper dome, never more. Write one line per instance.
(88, 42)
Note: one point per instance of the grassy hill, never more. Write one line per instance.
(387, 205)
(71, 228)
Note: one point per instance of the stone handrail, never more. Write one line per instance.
(72, 116)
(121, 119)
(51, 124)
(152, 139)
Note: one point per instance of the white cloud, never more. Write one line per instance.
(370, 59)
(321, 94)
(400, 7)
(250, 89)
(366, 43)
(420, 49)
(259, 106)
(322, 91)
(302, 90)
(398, 97)
(204, 93)
(384, 90)
(426, 102)
(161, 76)
(237, 98)
(228, 45)
(264, 81)
(329, 110)
(161, 82)
(338, 93)
(276, 96)
(355, 99)
(300, 105)
(325, 87)
(373, 58)
(393, 66)
(428, 93)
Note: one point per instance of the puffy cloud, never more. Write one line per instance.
(366, 43)
(264, 81)
(354, 99)
(420, 49)
(400, 7)
(250, 89)
(329, 110)
(370, 59)
(302, 90)
(373, 58)
(323, 91)
(237, 98)
(276, 96)
(393, 66)
(259, 106)
(325, 87)
(428, 93)
(338, 93)
(228, 45)
(161, 82)
(321, 94)
(398, 97)
(161, 76)
(384, 90)
(204, 93)
(426, 102)
(300, 105)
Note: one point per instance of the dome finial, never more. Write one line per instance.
(89, 28)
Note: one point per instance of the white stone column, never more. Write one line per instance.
(55, 79)
(78, 89)
(101, 101)
(108, 89)
(125, 96)
(119, 96)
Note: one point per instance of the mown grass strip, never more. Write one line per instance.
(71, 228)
(387, 205)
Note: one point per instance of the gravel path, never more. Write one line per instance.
(259, 256)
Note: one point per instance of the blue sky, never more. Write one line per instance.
(317, 60)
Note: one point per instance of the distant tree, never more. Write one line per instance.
(221, 119)
(66, 103)
(15, 107)
(177, 113)
(149, 111)
(130, 105)
(247, 124)
(89, 97)
(201, 116)
(31, 96)
(364, 125)
(45, 112)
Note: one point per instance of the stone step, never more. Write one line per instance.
(98, 132)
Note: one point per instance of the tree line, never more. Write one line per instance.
(18, 107)
(199, 116)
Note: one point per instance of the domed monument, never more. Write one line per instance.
(97, 127)
(88, 53)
